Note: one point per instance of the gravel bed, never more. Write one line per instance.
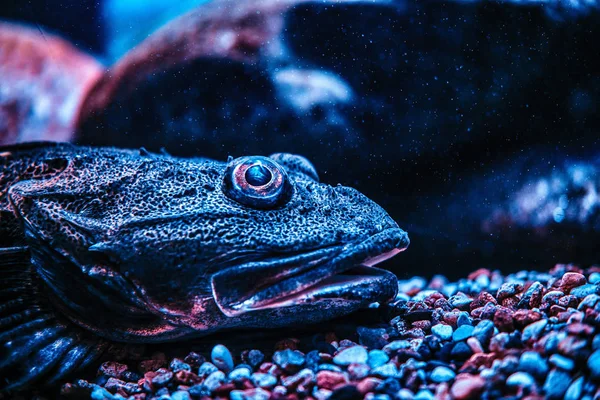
(527, 335)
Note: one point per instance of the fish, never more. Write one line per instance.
(101, 245)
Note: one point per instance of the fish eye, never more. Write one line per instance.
(257, 182)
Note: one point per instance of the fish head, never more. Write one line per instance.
(201, 245)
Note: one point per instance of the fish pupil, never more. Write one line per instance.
(258, 175)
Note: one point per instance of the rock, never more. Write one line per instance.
(424, 394)
(534, 331)
(289, 360)
(484, 331)
(264, 380)
(468, 387)
(330, 379)
(194, 359)
(368, 384)
(377, 358)
(206, 369)
(346, 392)
(575, 389)
(359, 371)
(214, 380)
(350, 355)
(177, 365)
(585, 290)
(508, 289)
(240, 373)
(464, 319)
(521, 379)
(461, 351)
(162, 377)
(562, 362)
(221, 358)
(181, 395)
(460, 301)
(533, 363)
(388, 370)
(556, 384)
(571, 280)
(462, 333)
(442, 331)
(442, 374)
(250, 394)
(593, 364)
(255, 358)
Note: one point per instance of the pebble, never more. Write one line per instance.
(377, 358)
(469, 387)
(442, 374)
(289, 360)
(240, 374)
(593, 363)
(264, 380)
(556, 384)
(442, 331)
(484, 331)
(463, 319)
(575, 389)
(424, 394)
(562, 362)
(349, 355)
(460, 300)
(585, 290)
(181, 395)
(533, 331)
(388, 370)
(533, 363)
(255, 358)
(214, 380)
(330, 380)
(521, 379)
(537, 339)
(249, 394)
(221, 358)
(206, 369)
(462, 333)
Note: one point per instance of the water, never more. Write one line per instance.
(474, 123)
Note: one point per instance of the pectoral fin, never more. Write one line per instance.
(36, 345)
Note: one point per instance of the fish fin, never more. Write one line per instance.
(36, 344)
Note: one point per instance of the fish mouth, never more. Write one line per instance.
(339, 272)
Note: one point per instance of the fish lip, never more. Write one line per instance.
(315, 275)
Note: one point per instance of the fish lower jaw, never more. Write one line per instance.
(361, 284)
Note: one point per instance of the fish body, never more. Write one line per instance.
(103, 245)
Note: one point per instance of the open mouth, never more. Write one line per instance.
(343, 272)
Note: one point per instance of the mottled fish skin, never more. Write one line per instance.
(130, 246)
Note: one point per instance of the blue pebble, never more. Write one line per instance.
(464, 319)
(221, 358)
(593, 364)
(575, 390)
(442, 374)
(377, 358)
(532, 363)
(351, 355)
(521, 379)
(557, 383)
(289, 360)
(442, 331)
(462, 333)
(180, 395)
(562, 362)
(581, 291)
(484, 331)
